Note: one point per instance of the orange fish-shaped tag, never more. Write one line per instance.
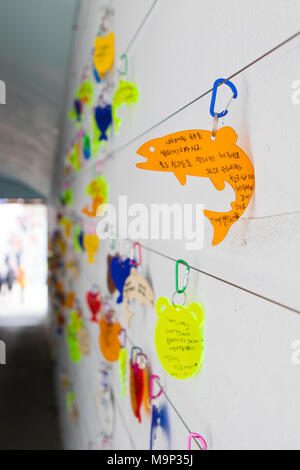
(195, 153)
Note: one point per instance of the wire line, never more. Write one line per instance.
(217, 278)
(162, 388)
(177, 413)
(214, 276)
(182, 108)
(170, 401)
(187, 105)
(140, 27)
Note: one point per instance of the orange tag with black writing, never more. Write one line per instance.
(196, 153)
(109, 339)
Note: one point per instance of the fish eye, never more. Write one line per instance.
(152, 149)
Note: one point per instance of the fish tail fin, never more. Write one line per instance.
(221, 222)
(103, 136)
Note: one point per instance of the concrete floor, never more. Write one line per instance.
(28, 415)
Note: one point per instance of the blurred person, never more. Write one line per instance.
(21, 279)
(10, 274)
(3, 272)
(17, 247)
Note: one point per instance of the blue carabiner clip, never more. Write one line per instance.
(214, 95)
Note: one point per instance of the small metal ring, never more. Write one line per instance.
(173, 298)
(141, 360)
(215, 126)
(123, 338)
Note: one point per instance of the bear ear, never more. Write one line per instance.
(198, 312)
(161, 304)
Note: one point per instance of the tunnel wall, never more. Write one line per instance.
(12, 189)
(246, 394)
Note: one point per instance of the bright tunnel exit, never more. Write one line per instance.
(23, 261)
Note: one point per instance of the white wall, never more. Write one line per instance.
(246, 395)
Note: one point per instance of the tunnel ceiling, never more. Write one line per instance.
(35, 43)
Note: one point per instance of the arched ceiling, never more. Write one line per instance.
(35, 44)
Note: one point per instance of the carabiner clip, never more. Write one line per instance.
(123, 338)
(186, 276)
(140, 362)
(199, 438)
(214, 96)
(95, 289)
(124, 61)
(132, 261)
(158, 394)
(97, 169)
(104, 379)
(133, 352)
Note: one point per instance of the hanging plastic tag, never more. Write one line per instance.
(179, 338)
(103, 118)
(85, 92)
(138, 370)
(75, 324)
(109, 338)
(126, 93)
(69, 300)
(78, 238)
(134, 351)
(160, 427)
(110, 283)
(213, 155)
(84, 96)
(120, 270)
(123, 370)
(97, 189)
(65, 381)
(87, 147)
(70, 400)
(93, 299)
(67, 224)
(66, 197)
(74, 156)
(194, 153)
(91, 245)
(83, 338)
(59, 321)
(136, 288)
(146, 395)
(104, 54)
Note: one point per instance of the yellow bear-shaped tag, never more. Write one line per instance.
(179, 338)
